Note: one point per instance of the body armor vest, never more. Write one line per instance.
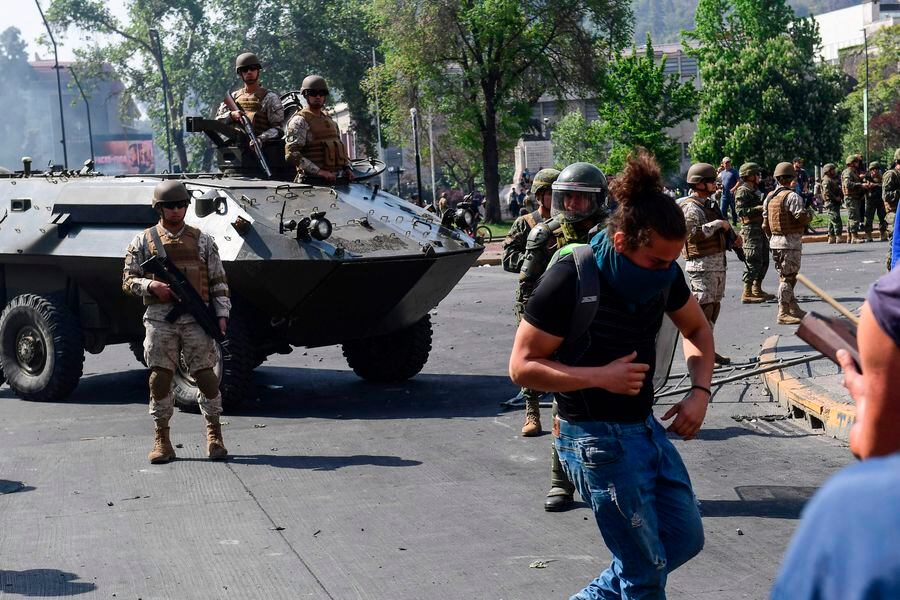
(185, 253)
(326, 150)
(251, 104)
(714, 244)
(781, 221)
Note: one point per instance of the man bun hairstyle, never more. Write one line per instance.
(643, 207)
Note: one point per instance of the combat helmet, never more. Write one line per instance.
(313, 82)
(897, 154)
(874, 165)
(701, 172)
(851, 158)
(750, 169)
(581, 178)
(543, 180)
(784, 169)
(169, 191)
(829, 168)
(247, 59)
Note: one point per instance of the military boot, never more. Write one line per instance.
(840, 238)
(215, 447)
(163, 451)
(785, 318)
(832, 239)
(748, 297)
(761, 293)
(532, 425)
(857, 239)
(869, 237)
(558, 500)
(795, 311)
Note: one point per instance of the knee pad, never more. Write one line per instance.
(207, 382)
(160, 382)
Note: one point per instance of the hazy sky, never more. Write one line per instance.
(24, 15)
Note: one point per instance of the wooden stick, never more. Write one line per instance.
(824, 296)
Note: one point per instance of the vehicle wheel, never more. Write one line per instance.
(234, 368)
(393, 357)
(41, 348)
(137, 348)
(483, 235)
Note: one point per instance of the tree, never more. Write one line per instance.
(884, 90)
(576, 140)
(14, 64)
(483, 63)
(765, 97)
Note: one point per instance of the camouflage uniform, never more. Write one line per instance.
(514, 253)
(854, 196)
(165, 340)
(833, 197)
(706, 274)
(785, 221)
(263, 108)
(890, 194)
(875, 206)
(749, 201)
(300, 140)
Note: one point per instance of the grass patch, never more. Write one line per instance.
(499, 230)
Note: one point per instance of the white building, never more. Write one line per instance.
(844, 28)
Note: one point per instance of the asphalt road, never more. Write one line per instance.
(345, 490)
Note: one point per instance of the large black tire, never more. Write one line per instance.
(41, 348)
(234, 369)
(393, 357)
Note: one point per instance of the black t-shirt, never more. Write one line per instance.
(616, 331)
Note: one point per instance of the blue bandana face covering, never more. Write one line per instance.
(636, 284)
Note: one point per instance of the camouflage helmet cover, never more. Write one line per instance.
(170, 190)
(313, 82)
(829, 168)
(247, 59)
(874, 165)
(851, 158)
(700, 172)
(784, 169)
(543, 180)
(587, 180)
(750, 169)
(897, 154)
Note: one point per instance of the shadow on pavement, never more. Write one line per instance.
(774, 501)
(9, 487)
(43, 583)
(727, 433)
(125, 387)
(321, 463)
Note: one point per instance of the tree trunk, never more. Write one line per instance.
(490, 155)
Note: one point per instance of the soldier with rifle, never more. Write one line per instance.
(874, 203)
(854, 195)
(833, 196)
(313, 141)
(176, 270)
(709, 236)
(253, 109)
(890, 194)
(749, 201)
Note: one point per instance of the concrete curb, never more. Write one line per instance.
(819, 411)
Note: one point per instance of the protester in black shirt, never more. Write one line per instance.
(612, 447)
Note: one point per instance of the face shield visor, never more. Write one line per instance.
(574, 202)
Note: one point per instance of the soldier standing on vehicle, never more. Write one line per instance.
(854, 189)
(785, 217)
(313, 141)
(513, 256)
(704, 249)
(578, 195)
(748, 200)
(874, 203)
(833, 196)
(890, 194)
(196, 255)
(262, 107)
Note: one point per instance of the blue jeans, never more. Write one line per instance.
(642, 499)
(728, 201)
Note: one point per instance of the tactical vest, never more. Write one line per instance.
(714, 244)
(755, 219)
(251, 104)
(533, 218)
(890, 187)
(781, 221)
(326, 150)
(185, 253)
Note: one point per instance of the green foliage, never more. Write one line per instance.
(481, 64)
(884, 92)
(14, 65)
(765, 97)
(638, 102)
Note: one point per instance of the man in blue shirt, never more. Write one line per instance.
(846, 545)
(729, 179)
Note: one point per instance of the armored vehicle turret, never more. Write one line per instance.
(307, 266)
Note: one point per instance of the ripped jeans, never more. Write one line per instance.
(642, 499)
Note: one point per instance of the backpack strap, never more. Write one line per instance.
(587, 291)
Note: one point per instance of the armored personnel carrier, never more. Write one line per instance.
(307, 265)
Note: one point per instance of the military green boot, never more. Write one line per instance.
(761, 293)
(215, 447)
(748, 297)
(163, 451)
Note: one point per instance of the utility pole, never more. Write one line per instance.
(866, 95)
(157, 48)
(88, 107)
(378, 125)
(62, 119)
(431, 155)
(415, 125)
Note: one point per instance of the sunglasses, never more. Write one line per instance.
(322, 93)
(174, 205)
(250, 68)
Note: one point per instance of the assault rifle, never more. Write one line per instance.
(187, 299)
(730, 235)
(248, 129)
